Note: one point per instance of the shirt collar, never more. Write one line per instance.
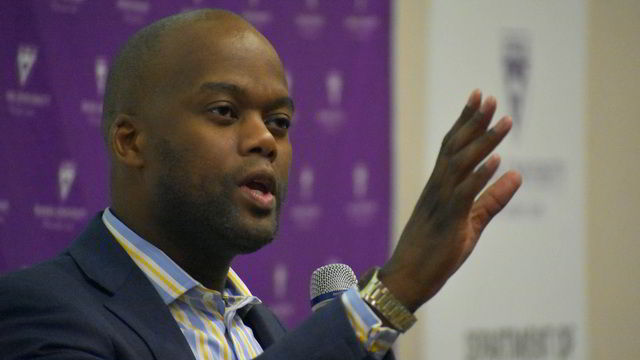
(169, 279)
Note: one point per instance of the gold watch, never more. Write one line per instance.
(380, 298)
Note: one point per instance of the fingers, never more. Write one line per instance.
(464, 147)
(466, 192)
(473, 128)
(494, 199)
(473, 103)
(470, 109)
(468, 158)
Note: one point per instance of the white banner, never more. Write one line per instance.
(521, 295)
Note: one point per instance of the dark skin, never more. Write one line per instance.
(452, 212)
(236, 126)
(221, 106)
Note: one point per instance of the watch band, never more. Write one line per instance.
(380, 298)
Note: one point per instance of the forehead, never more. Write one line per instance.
(223, 51)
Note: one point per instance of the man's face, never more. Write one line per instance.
(218, 136)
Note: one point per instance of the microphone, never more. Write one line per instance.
(328, 282)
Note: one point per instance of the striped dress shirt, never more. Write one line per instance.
(209, 320)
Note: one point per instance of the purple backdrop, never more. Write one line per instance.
(53, 178)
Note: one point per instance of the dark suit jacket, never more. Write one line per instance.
(93, 302)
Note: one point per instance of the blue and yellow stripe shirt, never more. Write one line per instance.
(209, 320)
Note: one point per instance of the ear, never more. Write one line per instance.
(127, 140)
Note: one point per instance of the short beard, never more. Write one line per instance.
(201, 220)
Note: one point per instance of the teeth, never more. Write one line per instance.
(257, 192)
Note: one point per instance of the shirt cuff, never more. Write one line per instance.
(375, 338)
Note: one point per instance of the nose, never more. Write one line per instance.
(255, 138)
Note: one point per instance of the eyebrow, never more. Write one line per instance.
(284, 101)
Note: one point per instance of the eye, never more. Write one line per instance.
(223, 110)
(279, 122)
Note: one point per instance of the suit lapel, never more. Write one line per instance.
(265, 326)
(138, 304)
(133, 299)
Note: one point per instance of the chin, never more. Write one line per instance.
(249, 247)
(254, 236)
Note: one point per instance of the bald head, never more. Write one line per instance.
(131, 76)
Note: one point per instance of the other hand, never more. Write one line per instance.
(449, 215)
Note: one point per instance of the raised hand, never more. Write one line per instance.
(449, 215)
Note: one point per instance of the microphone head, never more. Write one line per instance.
(328, 282)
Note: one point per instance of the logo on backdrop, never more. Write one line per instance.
(361, 209)
(66, 177)
(333, 116)
(280, 280)
(516, 55)
(5, 207)
(26, 58)
(22, 102)
(92, 107)
(289, 76)
(360, 176)
(192, 5)
(334, 83)
(532, 342)
(134, 11)
(306, 212)
(282, 306)
(360, 24)
(58, 217)
(310, 22)
(257, 17)
(101, 70)
(306, 183)
(547, 177)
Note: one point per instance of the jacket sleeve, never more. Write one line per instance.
(40, 324)
(326, 335)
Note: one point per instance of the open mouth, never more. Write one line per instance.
(260, 188)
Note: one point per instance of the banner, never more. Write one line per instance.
(55, 58)
(521, 294)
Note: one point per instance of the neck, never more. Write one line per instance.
(208, 267)
(211, 272)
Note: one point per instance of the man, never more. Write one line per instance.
(196, 119)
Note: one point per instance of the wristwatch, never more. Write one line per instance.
(380, 298)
